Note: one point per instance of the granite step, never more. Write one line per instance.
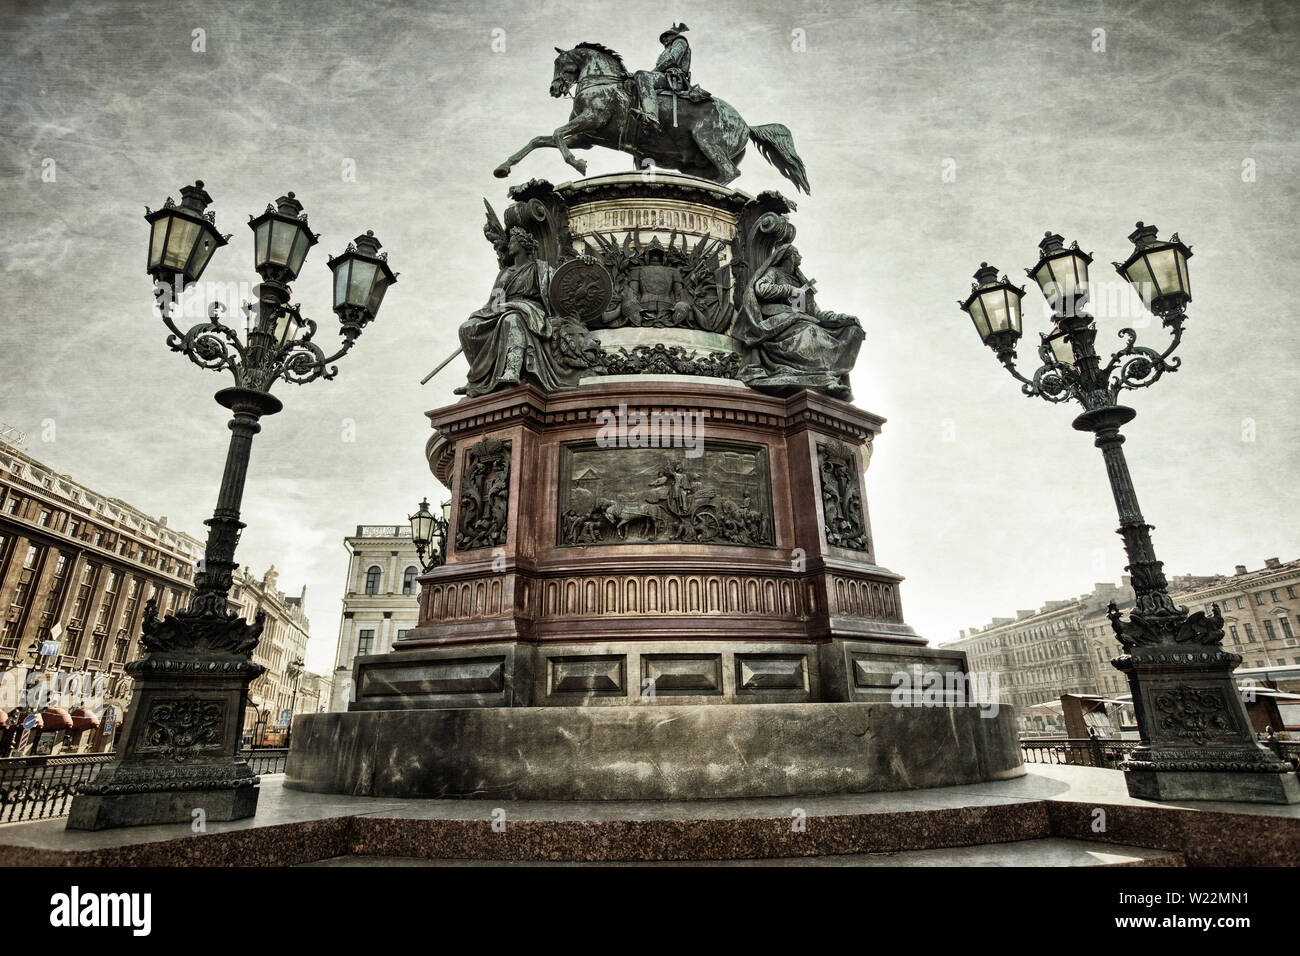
(1050, 851)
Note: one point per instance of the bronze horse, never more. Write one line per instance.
(706, 138)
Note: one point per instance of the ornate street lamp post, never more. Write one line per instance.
(294, 669)
(180, 745)
(429, 533)
(1196, 740)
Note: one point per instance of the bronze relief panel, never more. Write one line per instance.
(617, 494)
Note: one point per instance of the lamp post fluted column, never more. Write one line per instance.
(179, 757)
(1196, 737)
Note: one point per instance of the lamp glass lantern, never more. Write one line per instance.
(422, 525)
(182, 239)
(1157, 269)
(1059, 348)
(1062, 274)
(994, 305)
(361, 277)
(281, 238)
(285, 328)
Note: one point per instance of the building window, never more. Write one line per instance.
(401, 635)
(22, 593)
(1286, 627)
(365, 642)
(97, 647)
(132, 601)
(1273, 595)
(1259, 597)
(1270, 634)
(408, 580)
(43, 519)
(11, 505)
(53, 598)
(73, 527)
(372, 579)
(1290, 591)
(1241, 602)
(105, 615)
(1236, 638)
(85, 587)
(1250, 634)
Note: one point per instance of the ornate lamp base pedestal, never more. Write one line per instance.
(179, 755)
(1198, 742)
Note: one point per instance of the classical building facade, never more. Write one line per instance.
(1067, 646)
(380, 601)
(77, 568)
(1041, 654)
(282, 650)
(313, 693)
(1261, 611)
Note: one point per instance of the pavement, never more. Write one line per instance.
(1052, 807)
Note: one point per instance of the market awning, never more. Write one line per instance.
(83, 719)
(1048, 707)
(56, 718)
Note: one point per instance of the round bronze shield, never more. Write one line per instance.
(581, 289)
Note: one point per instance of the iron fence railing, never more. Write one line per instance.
(38, 788)
(1076, 751)
(1100, 752)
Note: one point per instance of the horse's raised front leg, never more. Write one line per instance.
(537, 142)
(557, 140)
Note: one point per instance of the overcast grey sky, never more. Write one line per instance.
(985, 500)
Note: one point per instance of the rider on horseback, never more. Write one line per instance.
(672, 72)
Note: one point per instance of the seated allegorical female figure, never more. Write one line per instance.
(516, 334)
(790, 343)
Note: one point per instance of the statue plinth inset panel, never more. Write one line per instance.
(631, 495)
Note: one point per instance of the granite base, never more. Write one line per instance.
(656, 752)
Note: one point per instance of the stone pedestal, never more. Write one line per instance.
(1199, 743)
(179, 753)
(662, 583)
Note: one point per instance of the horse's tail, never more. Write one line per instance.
(776, 144)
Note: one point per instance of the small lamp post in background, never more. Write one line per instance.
(1196, 740)
(294, 668)
(180, 745)
(429, 533)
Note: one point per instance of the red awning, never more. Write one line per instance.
(56, 718)
(83, 719)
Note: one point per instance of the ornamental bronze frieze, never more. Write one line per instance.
(842, 497)
(177, 727)
(484, 511)
(719, 493)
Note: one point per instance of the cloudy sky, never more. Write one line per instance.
(936, 134)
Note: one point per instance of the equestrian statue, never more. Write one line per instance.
(656, 115)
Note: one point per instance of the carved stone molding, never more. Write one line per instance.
(595, 595)
(855, 597)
